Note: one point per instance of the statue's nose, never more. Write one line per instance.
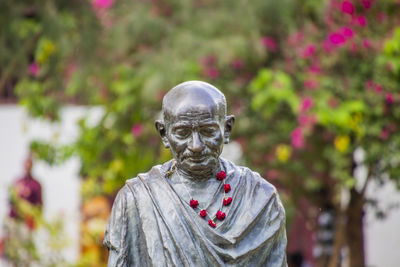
(196, 145)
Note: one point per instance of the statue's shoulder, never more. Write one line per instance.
(136, 187)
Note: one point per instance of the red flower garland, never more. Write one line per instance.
(212, 223)
(194, 203)
(227, 188)
(221, 176)
(203, 213)
(220, 215)
(226, 201)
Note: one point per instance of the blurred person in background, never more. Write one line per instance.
(25, 188)
(17, 246)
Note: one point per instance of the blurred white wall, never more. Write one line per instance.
(60, 184)
(382, 237)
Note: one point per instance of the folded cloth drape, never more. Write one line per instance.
(151, 226)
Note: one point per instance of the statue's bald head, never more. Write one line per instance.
(192, 96)
(195, 125)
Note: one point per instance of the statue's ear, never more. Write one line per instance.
(160, 126)
(229, 121)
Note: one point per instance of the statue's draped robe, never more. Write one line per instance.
(151, 226)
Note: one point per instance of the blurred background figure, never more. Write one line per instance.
(18, 244)
(25, 188)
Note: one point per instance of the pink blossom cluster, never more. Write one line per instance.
(269, 43)
(237, 64)
(378, 89)
(341, 36)
(345, 34)
(105, 4)
(348, 25)
(209, 66)
(33, 69)
(297, 138)
(306, 121)
(137, 130)
(388, 130)
(100, 7)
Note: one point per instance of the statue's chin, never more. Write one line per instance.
(199, 167)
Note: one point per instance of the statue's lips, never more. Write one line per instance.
(197, 159)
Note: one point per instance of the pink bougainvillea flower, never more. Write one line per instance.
(104, 4)
(297, 138)
(311, 84)
(366, 3)
(308, 51)
(369, 84)
(366, 43)
(306, 104)
(212, 73)
(209, 60)
(295, 38)
(315, 69)
(362, 21)
(237, 64)
(378, 88)
(384, 135)
(269, 43)
(337, 39)
(327, 46)
(306, 120)
(347, 7)
(33, 69)
(389, 98)
(137, 130)
(381, 16)
(347, 32)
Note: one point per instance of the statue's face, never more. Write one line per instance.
(195, 127)
(195, 137)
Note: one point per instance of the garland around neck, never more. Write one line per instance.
(226, 201)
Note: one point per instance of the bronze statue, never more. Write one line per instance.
(197, 209)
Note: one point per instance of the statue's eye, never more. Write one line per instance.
(208, 131)
(182, 132)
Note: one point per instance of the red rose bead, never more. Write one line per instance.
(203, 213)
(221, 176)
(227, 188)
(227, 201)
(212, 223)
(220, 215)
(194, 203)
